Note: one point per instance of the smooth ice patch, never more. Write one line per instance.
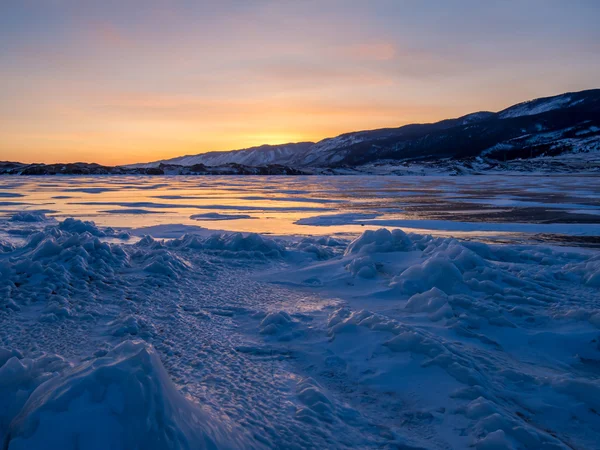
(219, 216)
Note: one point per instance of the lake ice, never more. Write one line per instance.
(299, 312)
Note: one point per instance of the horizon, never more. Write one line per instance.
(115, 84)
(295, 143)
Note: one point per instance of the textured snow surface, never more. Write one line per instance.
(393, 340)
(533, 107)
(122, 399)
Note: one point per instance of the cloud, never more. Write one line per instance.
(108, 34)
(371, 51)
(149, 106)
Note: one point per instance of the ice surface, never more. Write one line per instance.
(131, 211)
(471, 205)
(336, 219)
(219, 216)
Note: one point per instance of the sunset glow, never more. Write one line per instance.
(127, 81)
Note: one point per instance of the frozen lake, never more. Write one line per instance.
(490, 207)
(150, 328)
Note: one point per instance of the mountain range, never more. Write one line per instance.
(551, 134)
(546, 127)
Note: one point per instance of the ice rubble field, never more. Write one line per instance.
(234, 341)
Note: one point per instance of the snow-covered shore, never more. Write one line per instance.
(243, 341)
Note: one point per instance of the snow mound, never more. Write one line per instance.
(79, 226)
(436, 272)
(132, 326)
(280, 324)
(56, 267)
(29, 216)
(6, 247)
(19, 377)
(316, 406)
(162, 262)
(122, 400)
(382, 240)
(363, 267)
(251, 244)
(235, 245)
(344, 321)
(448, 267)
(434, 302)
(588, 271)
(322, 248)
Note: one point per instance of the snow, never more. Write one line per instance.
(175, 336)
(379, 241)
(327, 150)
(533, 107)
(434, 301)
(465, 308)
(255, 156)
(123, 399)
(28, 216)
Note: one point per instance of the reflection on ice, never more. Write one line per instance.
(475, 206)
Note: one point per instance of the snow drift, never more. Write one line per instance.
(500, 341)
(392, 340)
(121, 400)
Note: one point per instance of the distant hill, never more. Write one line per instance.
(550, 126)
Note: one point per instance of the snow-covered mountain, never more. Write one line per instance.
(567, 123)
(540, 105)
(255, 156)
(543, 127)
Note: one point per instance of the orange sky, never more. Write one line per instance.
(131, 81)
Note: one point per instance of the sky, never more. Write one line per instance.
(124, 81)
